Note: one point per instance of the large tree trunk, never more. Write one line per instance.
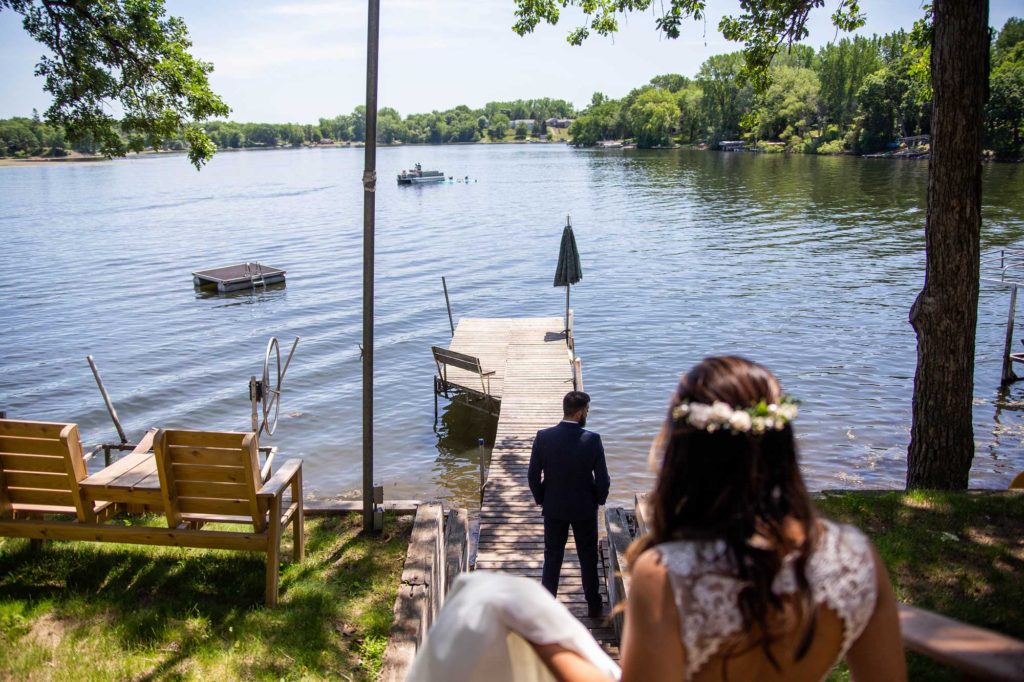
(945, 314)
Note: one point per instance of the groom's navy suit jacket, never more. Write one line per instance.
(568, 474)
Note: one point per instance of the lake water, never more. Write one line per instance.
(806, 264)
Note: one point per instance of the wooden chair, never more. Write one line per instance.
(215, 477)
(41, 464)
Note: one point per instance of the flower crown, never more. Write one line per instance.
(720, 416)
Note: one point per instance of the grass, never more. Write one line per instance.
(961, 555)
(85, 611)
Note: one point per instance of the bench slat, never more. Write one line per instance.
(32, 446)
(184, 454)
(31, 479)
(40, 463)
(27, 429)
(455, 359)
(60, 498)
(205, 472)
(204, 505)
(213, 490)
(208, 439)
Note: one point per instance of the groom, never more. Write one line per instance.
(569, 477)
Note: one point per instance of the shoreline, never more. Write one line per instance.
(76, 157)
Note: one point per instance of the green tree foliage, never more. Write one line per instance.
(692, 119)
(842, 69)
(790, 105)
(672, 82)
(653, 117)
(602, 121)
(726, 97)
(1011, 35)
(127, 53)
(498, 126)
(522, 131)
(390, 126)
(1004, 129)
(763, 29)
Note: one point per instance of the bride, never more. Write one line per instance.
(737, 579)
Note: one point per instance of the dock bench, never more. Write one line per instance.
(445, 358)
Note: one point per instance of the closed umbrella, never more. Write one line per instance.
(568, 271)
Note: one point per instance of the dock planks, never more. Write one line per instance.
(532, 373)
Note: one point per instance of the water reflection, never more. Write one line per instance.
(460, 428)
(269, 292)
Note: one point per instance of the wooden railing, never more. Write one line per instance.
(438, 552)
(975, 652)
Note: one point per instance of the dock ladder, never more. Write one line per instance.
(254, 271)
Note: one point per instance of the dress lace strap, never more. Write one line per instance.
(840, 572)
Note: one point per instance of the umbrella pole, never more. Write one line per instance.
(567, 313)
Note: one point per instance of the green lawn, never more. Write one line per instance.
(961, 555)
(86, 611)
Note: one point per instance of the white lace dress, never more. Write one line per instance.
(841, 574)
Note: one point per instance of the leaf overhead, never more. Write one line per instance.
(120, 72)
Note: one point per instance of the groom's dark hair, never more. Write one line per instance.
(573, 402)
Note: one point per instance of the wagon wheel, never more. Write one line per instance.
(271, 387)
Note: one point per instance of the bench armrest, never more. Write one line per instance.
(978, 652)
(267, 465)
(146, 444)
(276, 484)
(487, 374)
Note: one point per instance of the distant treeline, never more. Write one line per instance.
(459, 124)
(857, 95)
(32, 137)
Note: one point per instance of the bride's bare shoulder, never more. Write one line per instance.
(648, 576)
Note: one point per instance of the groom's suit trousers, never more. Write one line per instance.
(584, 532)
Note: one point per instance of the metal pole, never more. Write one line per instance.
(567, 313)
(106, 399)
(448, 305)
(1008, 376)
(369, 209)
(483, 470)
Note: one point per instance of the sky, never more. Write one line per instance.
(299, 60)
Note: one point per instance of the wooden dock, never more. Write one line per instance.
(532, 372)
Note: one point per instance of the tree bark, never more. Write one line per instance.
(945, 314)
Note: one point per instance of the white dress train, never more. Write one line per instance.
(482, 632)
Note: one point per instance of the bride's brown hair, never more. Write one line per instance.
(738, 487)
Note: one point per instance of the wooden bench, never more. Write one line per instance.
(204, 477)
(445, 358)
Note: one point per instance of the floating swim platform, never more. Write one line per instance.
(237, 277)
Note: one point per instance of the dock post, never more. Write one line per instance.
(483, 471)
(448, 305)
(1008, 376)
(106, 399)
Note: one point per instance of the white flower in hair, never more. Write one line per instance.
(699, 415)
(740, 421)
(720, 416)
(720, 412)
